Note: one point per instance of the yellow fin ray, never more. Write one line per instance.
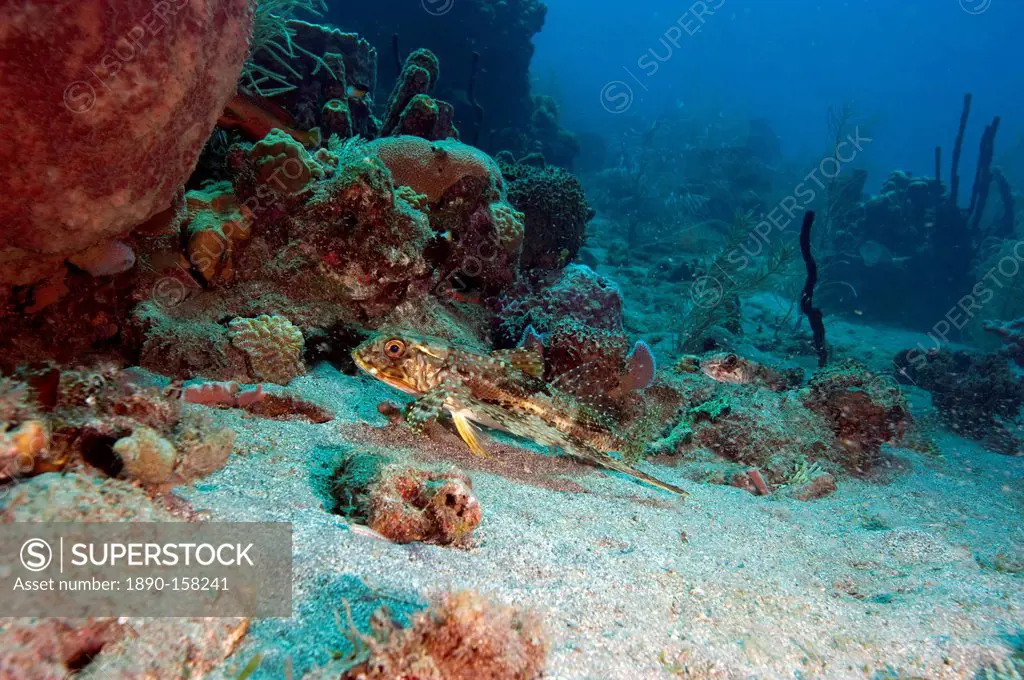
(468, 434)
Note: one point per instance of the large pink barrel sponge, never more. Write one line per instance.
(107, 105)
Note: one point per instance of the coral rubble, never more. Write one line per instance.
(106, 421)
(406, 505)
(462, 636)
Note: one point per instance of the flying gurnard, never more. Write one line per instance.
(502, 390)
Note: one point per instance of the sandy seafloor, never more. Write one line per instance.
(881, 579)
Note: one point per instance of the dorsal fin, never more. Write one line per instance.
(589, 386)
(595, 412)
(526, 359)
(640, 368)
(585, 380)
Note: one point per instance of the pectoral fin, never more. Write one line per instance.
(423, 410)
(468, 434)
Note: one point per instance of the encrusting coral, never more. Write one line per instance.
(104, 420)
(462, 636)
(273, 346)
(216, 229)
(862, 409)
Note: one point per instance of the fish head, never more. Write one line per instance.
(725, 367)
(406, 362)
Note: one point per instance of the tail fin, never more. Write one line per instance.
(606, 461)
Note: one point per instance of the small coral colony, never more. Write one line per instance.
(230, 207)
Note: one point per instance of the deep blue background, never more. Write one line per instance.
(905, 64)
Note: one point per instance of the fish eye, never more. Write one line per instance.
(731, 360)
(394, 348)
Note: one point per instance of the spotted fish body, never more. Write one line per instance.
(731, 368)
(501, 390)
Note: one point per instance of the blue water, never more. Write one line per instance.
(905, 64)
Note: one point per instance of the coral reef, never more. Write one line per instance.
(406, 505)
(978, 396)
(184, 347)
(683, 176)
(340, 244)
(862, 409)
(410, 109)
(316, 73)
(576, 316)
(115, 128)
(272, 345)
(773, 439)
(467, 197)
(914, 236)
(543, 138)
(1012, 333)
(343, 235)
(496, 107)
(432, 169)
(762, 430)
(462, 636)
(576, 293)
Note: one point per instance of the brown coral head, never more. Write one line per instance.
(455, 510)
